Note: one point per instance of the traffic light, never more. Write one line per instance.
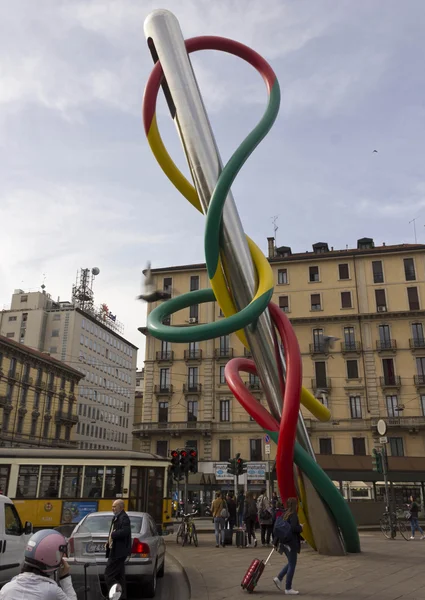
(184, 461)
(377, 461)
(175, 465)
(193, 461)
(241, 466)
(231, 466)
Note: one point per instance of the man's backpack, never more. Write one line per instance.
(282, 530)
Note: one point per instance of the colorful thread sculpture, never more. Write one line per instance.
(283, 433)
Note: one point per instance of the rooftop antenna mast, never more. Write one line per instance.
(275, 227)
(414, 228)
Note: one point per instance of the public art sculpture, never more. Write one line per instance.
(241, 279)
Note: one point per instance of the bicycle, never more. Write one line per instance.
(397, 525)
(187, 530)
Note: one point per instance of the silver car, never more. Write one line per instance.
(87, 545)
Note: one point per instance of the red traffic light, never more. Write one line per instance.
(174, 454)
(239, 460)
(183, 453)
(193, 453)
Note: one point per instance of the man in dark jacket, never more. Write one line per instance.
(414, 518)
(118, 547)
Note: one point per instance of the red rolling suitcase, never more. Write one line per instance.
(255, 570)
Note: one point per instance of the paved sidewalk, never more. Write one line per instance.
(385, 570)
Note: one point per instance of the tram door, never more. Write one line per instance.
(147, 491)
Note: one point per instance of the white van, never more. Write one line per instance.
(13, 540)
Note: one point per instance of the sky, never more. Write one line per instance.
(80, 188)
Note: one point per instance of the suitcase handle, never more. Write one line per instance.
(269, 556)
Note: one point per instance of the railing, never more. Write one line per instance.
(394, 381)
(192, 354)
(319, 348)
(383, 345)
(192, 388)
(419, 379)
(247, 353)
(350, 347)
(402, 421)
(254, 385)
(174, 426)
(223, 352)
(163, 389)
(165, 356)
(417, 343)
(321, 384)
(61, 415)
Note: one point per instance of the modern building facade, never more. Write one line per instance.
(38, 396)
(88, 339)
(372, 299)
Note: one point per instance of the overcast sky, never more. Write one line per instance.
(80, 188)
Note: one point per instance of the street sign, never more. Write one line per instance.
(267, 448)
(383, 440)
(381, 426)
(267, 438)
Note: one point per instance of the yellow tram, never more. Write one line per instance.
(52, 487)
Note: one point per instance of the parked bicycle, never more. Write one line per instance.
(398, 525)
(186, 533)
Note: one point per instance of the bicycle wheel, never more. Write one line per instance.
(185, 538)
(385, 527)
(403, 529)
(194, 536)
(180, 532)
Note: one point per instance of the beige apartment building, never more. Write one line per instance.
(372, 298)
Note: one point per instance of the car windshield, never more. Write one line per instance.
(102, 524)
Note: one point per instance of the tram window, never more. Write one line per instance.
(114, 481)
(93, 482)
(4, 479)
(71, 482)
(49, 482)
(27, 481)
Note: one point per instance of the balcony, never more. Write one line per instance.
(174, 429)
(419, 380)
(12, 374)
(411, 423)
(192, 355)
(352, 425)
(222, 353)
(386, 346)
(192, 388)
(319, 348)
(351, 347)
(165, 356)
(163, 389)
(253, 385)
(26, 380)
(65, 417)
(390, 382)
(417, 344)
(324, 383)
(247, 353)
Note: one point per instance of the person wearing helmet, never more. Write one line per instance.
(44, 555)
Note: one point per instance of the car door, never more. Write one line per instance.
(13, 543)
(156, 541)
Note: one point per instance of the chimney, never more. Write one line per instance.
(271, 246)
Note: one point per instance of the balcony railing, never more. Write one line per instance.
(385, 345)
(347, 347)
(319, 348)
(247, 353)
(61, 415)
(419, 379)
(417, 343)
(324, 383)
(223, 352)
(163, 389)
(177, 426)
(403, 422)
(254, 385)
(192, 388)
(393, 381)
(165, 356)
(193, 354)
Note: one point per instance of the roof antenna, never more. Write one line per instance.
(43, 285)
(275, 227)
(414, 228)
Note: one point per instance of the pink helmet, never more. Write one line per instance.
(45, 550)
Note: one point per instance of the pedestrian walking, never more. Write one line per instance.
(274, 500)
(265, 517)
(231, 507)
(240, 505)
(118, 547)
(414, 518)
(220, 513)
(287, 530)
(250, 517)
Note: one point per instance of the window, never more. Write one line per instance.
(224, 345)
(349, 338)
(58, 430)
(49, 481)
(320, 371)
(284, 303)
(167, 285)
(194, 283)
(12, 318)
(24, 394)
(355, 407)
(318, 344)
(71, 482)
(255, 449)
(46, 428)
(164, 379)
(381, 301)
(194, 311)
(392, 406)
(224, 450)
(420, 366)
(409, 269)
(389, 371)
(27, 481)
(162, 448)
(163, 412)
(352, 369)
(12, 522)
(316, 302)
(192, 378)
(55, 333)
(378, 273)
(33, 430)
(224, 410)
(192, 411)
(418, 334)
(413, 298)
(254, 381)
(396, 446)
(282, 276)
(344, 272)
(384, 337)
(10, 335)
(222, 376)
(114, 481)
(346, 301)
(359, 446)
(325, 446)
(313, 274)
(20, 425)
(24, 298)
(422, 400)
(63, 381)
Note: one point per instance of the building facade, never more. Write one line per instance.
(86, 339)
(372, 299)
(38, 396)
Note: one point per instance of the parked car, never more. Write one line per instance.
(87, 544)
(13, 540)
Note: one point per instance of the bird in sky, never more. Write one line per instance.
(375, 151)
(150, 294)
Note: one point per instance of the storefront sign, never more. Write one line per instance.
(220, 470)
(256, 470)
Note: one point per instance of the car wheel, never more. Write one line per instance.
(150, 585)
(161, 571)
